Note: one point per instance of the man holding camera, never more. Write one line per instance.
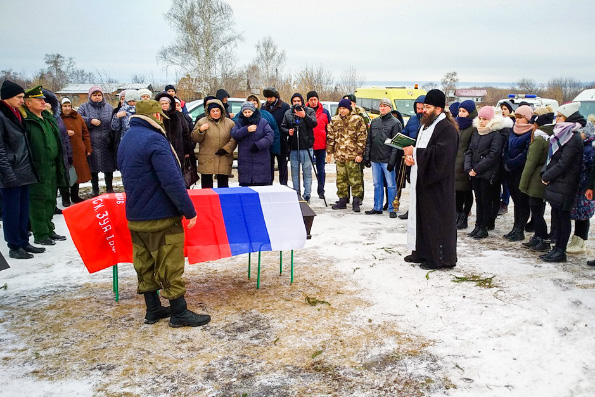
(298, 128)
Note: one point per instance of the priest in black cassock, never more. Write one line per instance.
(431, 228)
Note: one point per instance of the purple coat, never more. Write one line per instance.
(254, 168)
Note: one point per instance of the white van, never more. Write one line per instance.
(531, 99)
(587, 100)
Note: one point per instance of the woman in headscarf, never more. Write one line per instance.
(97, 114)
(81, 146)
(561, 175)
(215, 145)
(176, 127)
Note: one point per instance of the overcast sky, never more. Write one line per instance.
(384, 40)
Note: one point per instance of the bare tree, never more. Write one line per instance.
(527, 86)
(449, 84)
(139, 78)
(270, 59)
(563, 89)
(15, 77)
(430, 85)
(204, 31)
(350, 81)
(318, 79)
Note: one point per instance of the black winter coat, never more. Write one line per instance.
(484, 154)
(563, 174)
(304, 126)
(16, 168)
(176, 129)
(382, 128)
(278, 111)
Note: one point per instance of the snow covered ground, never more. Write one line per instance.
(374, 325)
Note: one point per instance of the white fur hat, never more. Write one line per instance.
(569, 109)
(144, 91)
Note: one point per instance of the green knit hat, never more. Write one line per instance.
(149, 108)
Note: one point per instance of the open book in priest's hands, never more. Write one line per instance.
(400, 141)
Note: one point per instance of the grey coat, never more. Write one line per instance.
(103, 158)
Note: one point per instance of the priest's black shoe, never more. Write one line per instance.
(557, 255)
(45, 241)
(373, 212)
(413, 258)
(34, 250)
(57, 237)
(19, 254)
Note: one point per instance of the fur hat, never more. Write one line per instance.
(524, 111)
(131, 95)
(486, 112)
(10, 89)
(169, 87)
(144, 91)
(569, 109)
(248, 105)
(435, 98)
(345, 103)
(468, 105)
(385, 101)
(270, 92)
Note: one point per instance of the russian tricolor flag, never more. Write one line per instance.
(230, 221)
(234, 221)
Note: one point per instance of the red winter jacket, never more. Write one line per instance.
(323, 117)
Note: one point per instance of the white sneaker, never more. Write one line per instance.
(579, 246)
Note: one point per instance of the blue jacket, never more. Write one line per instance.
(253, 168)
(155, 188)
(412, 127)
(515, 151)
(276, 146)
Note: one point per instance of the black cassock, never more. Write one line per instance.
(436, 229)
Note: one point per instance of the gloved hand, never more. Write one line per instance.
(390, 167)
(368, 163)
(254, 148)
(220, 152)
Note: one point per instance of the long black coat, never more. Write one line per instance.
(16, 167)
(436, 229)
(484, 155)
(176, 128)
(278, 111)
(563, 174)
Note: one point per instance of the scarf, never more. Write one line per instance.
(484, 130)
(464, 122)
(521, 129)
(252, 120)
(563, 132)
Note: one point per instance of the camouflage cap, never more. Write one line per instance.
(149, 108)
(35, 92)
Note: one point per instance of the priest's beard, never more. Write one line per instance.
(428, 119)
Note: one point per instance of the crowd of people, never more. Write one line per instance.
(461, 155)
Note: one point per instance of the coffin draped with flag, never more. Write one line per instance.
(230, 222)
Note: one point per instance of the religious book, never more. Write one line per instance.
(400, 141)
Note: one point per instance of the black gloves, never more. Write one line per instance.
(367, 163)
(390, 167)
(220, 152)
(254, 148)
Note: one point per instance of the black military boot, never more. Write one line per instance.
(155, 311)
(340, 205)
(94, 184)
(462, 222)
(65, 193)
(109, 177)
(182, 317)
(356, 203)
(74, 194)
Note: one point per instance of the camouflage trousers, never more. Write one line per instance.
(350, 175)
(158, 256)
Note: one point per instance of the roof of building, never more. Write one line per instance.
(108, 88)
(470, 92)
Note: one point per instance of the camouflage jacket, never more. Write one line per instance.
(358, 110)
(346, 137)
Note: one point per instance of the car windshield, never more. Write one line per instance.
(405, 106)
(587, 108)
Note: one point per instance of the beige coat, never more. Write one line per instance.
(217, 136)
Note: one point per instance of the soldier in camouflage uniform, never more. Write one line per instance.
(346, 140)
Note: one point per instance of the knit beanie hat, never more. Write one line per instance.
(454, 108)
(542, 119)
(468, 105)
(311, 94)
(435, 98)
(486, 112)
(131, 95)
(65, 100)
(386, 102)
(169, 87)
(345, 103)
(508, 105)
(248, 105)
(144, 91)
(95, 88)
(10, 89)
(569, 109)
(351, 97)
(524, 111)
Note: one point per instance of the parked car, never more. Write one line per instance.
(587, 100)
(196, 108)
(330, 106)
(403, 99)
(531, 99)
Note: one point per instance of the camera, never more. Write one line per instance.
(298, 108)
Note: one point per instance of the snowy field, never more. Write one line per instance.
(357, 321)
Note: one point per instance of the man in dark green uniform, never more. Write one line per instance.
(46, 153)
